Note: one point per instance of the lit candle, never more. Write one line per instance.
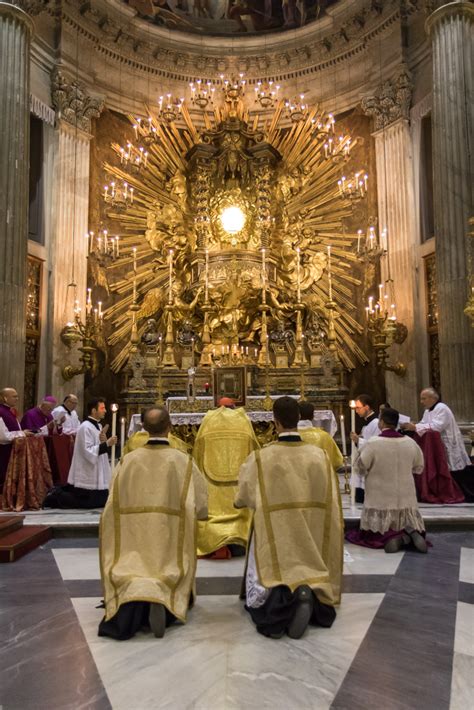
(359, 235)
(89, 301)
(170, 292)
(381, 295)
(343, 436)
(117, 249)
(134, 251)
(206, 277)
(106, 243)
(352, 405)
(192, 352)
(122, 433)
(298, 283)
(329, 273)
(100, 309)
(114, 408)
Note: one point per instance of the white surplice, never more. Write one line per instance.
(89, 469)
(440, 418)
(71, 422)
(367, 432)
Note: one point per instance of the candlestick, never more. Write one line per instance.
(89, 301)
(359, 235)
(192, 352)
(329, 273)
(352, 405)
(343, 436)
(122, 434)
(298, 284)
(134, 251)
(114, 409)
(206, 278)
(170, 292)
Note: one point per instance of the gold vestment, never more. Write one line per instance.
(321, 438)
(148, 530)
(223, 442)
(141, 437)
(298, 524)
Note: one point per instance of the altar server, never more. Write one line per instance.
(66, 416)
(147, 535)
(364, 407)
(315, 435)
(223, 442)
(294, 565)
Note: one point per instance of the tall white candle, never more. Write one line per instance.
(122, 433)
(114, 408)
(343, 436)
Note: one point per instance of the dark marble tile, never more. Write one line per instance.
(466, 593)
(365, 583)
(405, 659)
(45, 661)
(68, 542)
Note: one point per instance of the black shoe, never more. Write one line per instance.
(395, 544)
(304, 609)
(277, 635)
(157, 619)
(417, 539)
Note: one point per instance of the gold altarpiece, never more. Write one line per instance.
(276, 293)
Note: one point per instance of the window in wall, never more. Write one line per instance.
(35, 226)
(426, 180)
(33, 331)
(432, 320)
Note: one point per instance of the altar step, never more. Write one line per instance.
(17, 540)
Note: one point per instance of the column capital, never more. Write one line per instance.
(440, 11)
(391, 100)
(72, 102)
(16, 11)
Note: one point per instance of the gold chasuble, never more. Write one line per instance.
(148, 530)
(323, 440)
(298, 524)
(141, 437)
(223, 442)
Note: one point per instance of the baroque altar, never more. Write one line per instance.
(234, 251)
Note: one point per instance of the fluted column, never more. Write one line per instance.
(68, 250)
(395, 190)
(16, 29)
(390, 107)
(451, 30)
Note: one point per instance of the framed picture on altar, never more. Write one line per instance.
(230, 382)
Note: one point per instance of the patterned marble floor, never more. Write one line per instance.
(403, 639)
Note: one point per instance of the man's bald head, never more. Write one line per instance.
(156, 421)
(9, 396)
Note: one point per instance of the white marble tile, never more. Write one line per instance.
(363, 560)
(211, 663)
(78, 562)
(464, 634)
(462, 682)
(466, 566)
(221, 568)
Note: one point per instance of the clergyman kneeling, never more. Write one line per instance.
(147, 535)
(294, 564)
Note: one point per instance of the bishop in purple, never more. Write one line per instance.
(36, 418)
(9, 428)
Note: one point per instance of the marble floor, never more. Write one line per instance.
(403, 639)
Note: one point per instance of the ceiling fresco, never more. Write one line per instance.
(230, 17)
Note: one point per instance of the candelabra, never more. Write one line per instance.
(384, 330)
(118, 195)
(234, 88)
(266, 93)
(104, 247)
(132, 158)
(323, 127)
(297, 109)
(146, 131)
(202, 95)
(338, 150)
(299, 359)
(82, 331)
(354, 188)
(372, 246)
(169, 108)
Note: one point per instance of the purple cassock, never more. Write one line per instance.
(11, 423)
(34, 419)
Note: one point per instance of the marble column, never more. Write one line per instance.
(68, 248)
(16, 29)
(451, 31)
(395, 190)
(390, 107)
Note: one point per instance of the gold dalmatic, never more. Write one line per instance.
(231, 221)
